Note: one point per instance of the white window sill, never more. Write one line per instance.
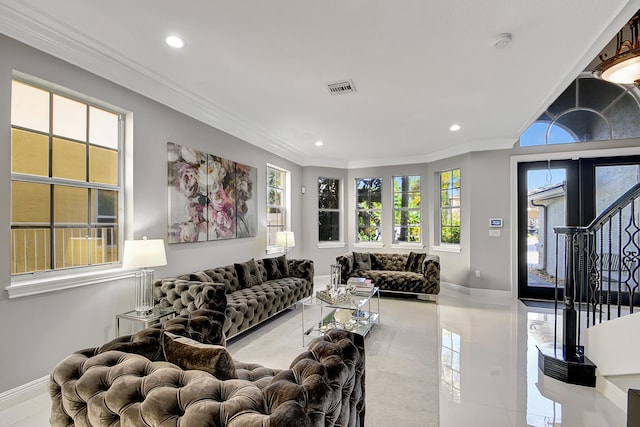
(407, 246)
(447, 248)
(368, 245)
(22, 287)
(331, 245)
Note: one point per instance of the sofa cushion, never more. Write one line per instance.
(191, 354)
(362, 261)
(227, 275)
(200, 276)
(277, 268)
(414, 262)
(248, 273)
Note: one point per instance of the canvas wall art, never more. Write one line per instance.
(210, 198)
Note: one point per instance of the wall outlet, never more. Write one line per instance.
(477, 273)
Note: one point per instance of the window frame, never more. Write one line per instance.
(359, 210)
(40, 281)
(407, 209)
(285, 206)
(340, 241)
(441, 245)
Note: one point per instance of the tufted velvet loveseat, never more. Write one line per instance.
(116, 384)
(415, 273)
(278, 284)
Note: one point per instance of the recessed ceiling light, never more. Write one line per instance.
(454, 128)
(319, 143)
(174, 41)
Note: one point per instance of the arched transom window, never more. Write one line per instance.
(589, 109)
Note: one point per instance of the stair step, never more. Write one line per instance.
(615, 387)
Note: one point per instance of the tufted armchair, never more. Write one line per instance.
(324, 386)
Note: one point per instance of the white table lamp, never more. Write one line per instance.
(286, 240)
(142, 254)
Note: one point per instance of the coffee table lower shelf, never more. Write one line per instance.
(362, 324)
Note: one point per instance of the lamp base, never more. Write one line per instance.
(144, 291)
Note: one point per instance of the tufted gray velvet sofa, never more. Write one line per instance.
(105, 386)
(415, 273)
(245, 306)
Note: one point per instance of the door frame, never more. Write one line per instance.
(580, 207)
(626, 149)
(572, 217)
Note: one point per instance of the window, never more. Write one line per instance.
(277, 202)
(406, 209)
(328, 210)
(590, 109)
(65, 181)
(450, 206)
(369, 209)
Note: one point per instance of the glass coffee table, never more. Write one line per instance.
(353, 314)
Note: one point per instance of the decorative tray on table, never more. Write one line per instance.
(333, 299)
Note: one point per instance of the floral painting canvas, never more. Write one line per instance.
(188, 199)
(246, 207)
(222, 198)
(210, 198)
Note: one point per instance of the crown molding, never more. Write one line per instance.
(42, 32)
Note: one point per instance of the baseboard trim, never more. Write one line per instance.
(24, 392)
(455, 288)
(490, 294)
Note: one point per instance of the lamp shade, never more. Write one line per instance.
(285, 239)
(144, 253)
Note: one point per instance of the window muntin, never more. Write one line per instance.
(407, 223)
(328, 210)
(277, 202)
(450, 206)
(57, 213)
(369, 209)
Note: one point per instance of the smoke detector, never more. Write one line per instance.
(342, 87)
(502, 40)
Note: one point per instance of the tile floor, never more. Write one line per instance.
(483, 356)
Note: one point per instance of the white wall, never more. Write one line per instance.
(38, 331)
(488, 185)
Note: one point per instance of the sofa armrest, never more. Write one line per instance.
(301, 268)
(327, 381)
(431, 269)
(346, 266)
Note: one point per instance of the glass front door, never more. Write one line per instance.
(561, 193)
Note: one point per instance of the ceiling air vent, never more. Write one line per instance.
(339, 88)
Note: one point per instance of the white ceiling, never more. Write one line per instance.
(259, 69)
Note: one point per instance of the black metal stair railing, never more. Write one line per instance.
(601, 277)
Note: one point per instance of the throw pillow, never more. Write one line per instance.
(414, 262)
(277, 268)
(248, 273)
(191, 354)
(362, 261)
